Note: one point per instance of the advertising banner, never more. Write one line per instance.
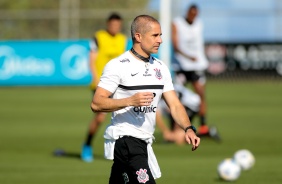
(44, 63)
(245, 57)
(50, 62)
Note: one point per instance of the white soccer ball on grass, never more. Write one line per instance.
(244, 158)
(228, 170)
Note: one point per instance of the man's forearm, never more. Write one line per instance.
(180, 116)
(108, 104)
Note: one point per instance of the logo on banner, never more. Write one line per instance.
(74, 62)
(12, 65)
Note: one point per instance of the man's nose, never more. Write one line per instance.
(160, 40)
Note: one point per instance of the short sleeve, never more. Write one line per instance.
(110, 78)
(168, 85)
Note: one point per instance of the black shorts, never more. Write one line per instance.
(131, 162)
(191, 76)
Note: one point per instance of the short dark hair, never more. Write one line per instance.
(140, 24)
(193, 6)
(114, 16)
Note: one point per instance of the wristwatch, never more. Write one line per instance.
(190, 127)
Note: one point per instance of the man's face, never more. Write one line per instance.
(151, 40)
(114, 26)
(192, 14)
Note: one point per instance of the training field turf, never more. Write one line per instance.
(34, 121)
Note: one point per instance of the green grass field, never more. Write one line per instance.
(34, 121)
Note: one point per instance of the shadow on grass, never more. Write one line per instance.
(73, 155)
(220, 180)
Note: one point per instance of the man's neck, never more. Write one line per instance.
(140, 54)
(189, 21)
(111, 33)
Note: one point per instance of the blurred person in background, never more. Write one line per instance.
(188, 46)
(105, 45)
(191, 102)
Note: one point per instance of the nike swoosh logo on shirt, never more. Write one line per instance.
(134, 74)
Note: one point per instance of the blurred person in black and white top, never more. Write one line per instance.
(130, 87)
(188, 45)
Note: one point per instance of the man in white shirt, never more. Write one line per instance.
(130, 87)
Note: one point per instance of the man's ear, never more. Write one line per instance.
(138, 37)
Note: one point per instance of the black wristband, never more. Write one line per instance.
(190, 127)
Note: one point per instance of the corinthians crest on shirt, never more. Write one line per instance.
(158, 73)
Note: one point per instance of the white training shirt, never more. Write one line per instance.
(190, 41)
(124, 76)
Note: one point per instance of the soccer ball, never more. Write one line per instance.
(228, 170)
(244, 158)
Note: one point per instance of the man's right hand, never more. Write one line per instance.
(141, 99)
